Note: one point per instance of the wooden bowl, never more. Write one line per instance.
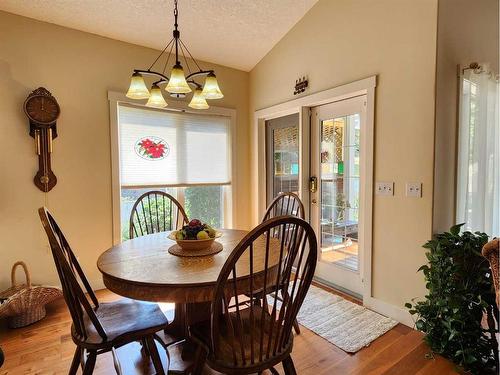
(194, 245)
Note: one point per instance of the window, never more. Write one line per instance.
(184, 154)
(478, 174)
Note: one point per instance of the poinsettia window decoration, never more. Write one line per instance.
(152, 148)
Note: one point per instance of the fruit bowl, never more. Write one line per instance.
(195, 236)
(194, 245)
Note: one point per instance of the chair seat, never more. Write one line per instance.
(124, 317)
(251, 330)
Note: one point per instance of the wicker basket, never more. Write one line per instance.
(491, 252)
(24, 304)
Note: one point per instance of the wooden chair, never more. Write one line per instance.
(100, 327)
(286, 204)
(156, 211)
(245, 339)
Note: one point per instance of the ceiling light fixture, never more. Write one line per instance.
(198, 101)
(177, 85)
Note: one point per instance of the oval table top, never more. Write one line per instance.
(143, 269)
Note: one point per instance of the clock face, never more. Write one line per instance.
(42, 109)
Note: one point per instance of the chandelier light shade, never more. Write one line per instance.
(156, 99)
(211, 88)
(198, 101)
(137, 89)
(178, 84)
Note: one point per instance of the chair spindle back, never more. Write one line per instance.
(72, 277)
(261, 265)
(285, 204)
(156, 211)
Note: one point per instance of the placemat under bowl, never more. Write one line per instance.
(177, 250)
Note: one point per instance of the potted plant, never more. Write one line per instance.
(460, 294)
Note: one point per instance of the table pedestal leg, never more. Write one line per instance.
(182, 354)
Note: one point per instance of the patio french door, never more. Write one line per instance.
(282, 142)
(337, 191)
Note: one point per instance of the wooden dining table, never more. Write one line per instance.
(143, 269)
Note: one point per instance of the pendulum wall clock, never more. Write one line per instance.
(43, 110)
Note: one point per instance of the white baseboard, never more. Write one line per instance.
(400, 314)
(97, 284)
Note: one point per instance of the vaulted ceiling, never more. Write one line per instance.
(235, 33)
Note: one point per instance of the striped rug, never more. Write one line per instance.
(345, 324)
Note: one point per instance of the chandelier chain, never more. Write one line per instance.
(177, 34)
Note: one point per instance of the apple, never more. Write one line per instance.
(202, 235)
(195, 223)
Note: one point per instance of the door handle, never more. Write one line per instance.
(313, 184)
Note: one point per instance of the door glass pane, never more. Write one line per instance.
(339, 183)
(283, 155)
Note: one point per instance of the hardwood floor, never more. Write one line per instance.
(46, 348)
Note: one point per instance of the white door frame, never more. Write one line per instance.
(302, 106)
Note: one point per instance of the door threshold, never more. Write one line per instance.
(336, 289)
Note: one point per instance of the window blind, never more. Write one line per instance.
(169, 148)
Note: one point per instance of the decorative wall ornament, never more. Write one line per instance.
(152, 148)
(43, 111)
(300, 85)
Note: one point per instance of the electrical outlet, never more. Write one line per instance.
(414, 189)
(384, 188)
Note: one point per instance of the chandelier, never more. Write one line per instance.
(177, 85)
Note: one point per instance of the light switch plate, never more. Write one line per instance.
(414, 189)
(384, 188)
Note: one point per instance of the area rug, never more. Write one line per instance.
(345, 324)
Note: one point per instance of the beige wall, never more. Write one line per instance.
(335, 43)
(467, 32)
(345, 40)
(78, 68)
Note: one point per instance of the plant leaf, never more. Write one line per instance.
(455, 230)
